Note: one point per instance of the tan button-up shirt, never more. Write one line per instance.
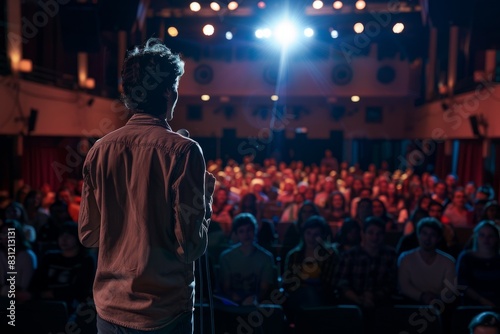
(143, 205)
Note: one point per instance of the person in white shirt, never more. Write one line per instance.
(426, 274)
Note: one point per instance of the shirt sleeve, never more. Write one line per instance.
(89, 222)
(404, 276)
(191, 227)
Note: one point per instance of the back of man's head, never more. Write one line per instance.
(485, 323)
(148, 72)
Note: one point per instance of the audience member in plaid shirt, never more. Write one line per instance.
(367, 274)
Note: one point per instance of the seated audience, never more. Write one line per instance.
(24, 258)
(67, 274)
(491, 211)
(349, 236)
(458, 212)
(310, 267)
(420, 212)
(246, 270)
(479, 268)
(410, 241)
(321, 198)
(367, 273)
(335, 208)
(379, 211)
(425, 272)
(440, 194)
(222, 210)
(292, 233)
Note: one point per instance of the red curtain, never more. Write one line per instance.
(443, 161)
(44, 161)
(470, 165)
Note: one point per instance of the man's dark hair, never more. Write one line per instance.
(486, 319)
(374, 221)
(487, 190)
(244, 219)
(148, 72)
(317, 221)
(435, 203)
(432, 223)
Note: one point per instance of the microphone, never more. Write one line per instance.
(184, 133)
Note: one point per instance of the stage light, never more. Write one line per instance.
(26, 66)
(360, 5)
(308, 32)
(195, 6)
(334, 33)
(215, 6)
(229, 35)
(398, 28)
(275, 98)
(359, 27)
(232, 5)
(90, 83)
(338, 4)
(205, 97)
(261, 4)
(355, 98)
(263, 33)
(208, 30)
(172, 31)
(317, 4)
(285, 33)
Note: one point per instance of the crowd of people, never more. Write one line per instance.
(332, 249)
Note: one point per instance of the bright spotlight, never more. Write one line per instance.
(317, 4)
(308, 32)
(355, 98)
(285, 33)
(232, 5)
(215, 6)
(229, 35)
(398, 28)
(275, 98)
(359, 27)
(259, 33)
(334, 33)
(172, 31)
(360, 5)
(267, 32)
(195, 6)
(338, 4)
(208, 30)
(261, 4)
(205, 97)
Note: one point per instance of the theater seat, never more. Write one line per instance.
(407, 319)
(339, 319)
(41, 317)
(249, 319)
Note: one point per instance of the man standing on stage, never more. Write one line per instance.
(146, 204)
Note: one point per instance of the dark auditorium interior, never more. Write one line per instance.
(375, 118)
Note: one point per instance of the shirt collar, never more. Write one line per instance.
(147, 119)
